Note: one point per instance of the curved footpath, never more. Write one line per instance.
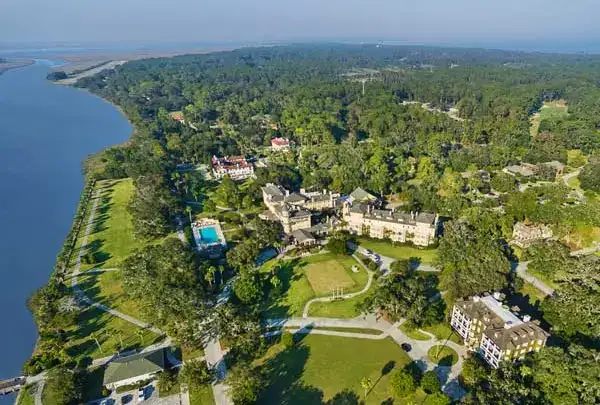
(447, 374)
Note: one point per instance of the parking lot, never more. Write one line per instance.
(151, 394)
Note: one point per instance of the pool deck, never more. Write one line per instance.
(208, 223)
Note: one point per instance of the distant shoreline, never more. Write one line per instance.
(15, 64)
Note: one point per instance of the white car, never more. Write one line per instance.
(141, 395)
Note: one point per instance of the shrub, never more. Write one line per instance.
(430, 382)
(287, 339)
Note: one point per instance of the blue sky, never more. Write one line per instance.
(421, 21)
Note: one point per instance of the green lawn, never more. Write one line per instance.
(553, 110)
(533, 294)
(26, 396)
(297, 288)
(442, 355)
(319, 367)
(398, 251)
(112, 238)
(348, 330)
(109, 329)
(107, 288)
(443, 331)
(202, 396)
(413, 333)
(336, 309)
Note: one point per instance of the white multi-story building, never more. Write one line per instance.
(365, 219)
(495, 332)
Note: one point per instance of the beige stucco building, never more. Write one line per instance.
(365, 219)
(492, 330)
(293, 210)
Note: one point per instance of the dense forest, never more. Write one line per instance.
(415, 125)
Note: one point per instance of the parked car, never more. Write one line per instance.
(406, 347)
(105, 402)
(141, 395)
(125, 399)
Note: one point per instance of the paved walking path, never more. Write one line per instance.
(213, 353)
(576, 190)
(345, 296)
(521, 270)
(447, 374)
(80, 294)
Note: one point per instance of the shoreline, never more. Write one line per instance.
(83, 199)
(15, 64)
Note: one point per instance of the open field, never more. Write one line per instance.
(366, 331)
(442, 355)
(320, 367)
(323, 275)
(110, 332)
(398, 251)
(550, 110)
(107, 288)
(336, 309)
(324, 271)
(112, 238)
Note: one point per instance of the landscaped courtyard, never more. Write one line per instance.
(315, 276)
(398, 251)
(325, 368)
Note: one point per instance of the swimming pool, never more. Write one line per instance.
(209, 235)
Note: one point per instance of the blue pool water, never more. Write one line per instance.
(209, 235)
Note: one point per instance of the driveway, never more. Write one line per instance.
(152, 397)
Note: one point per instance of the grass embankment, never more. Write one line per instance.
(26, 396)
(398, 251)
(442, 355)
(310, 277)
(319, 367)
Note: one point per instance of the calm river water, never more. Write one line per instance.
(46, 131)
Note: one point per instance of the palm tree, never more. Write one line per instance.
(366, 384)
(209, 275)
(188, 209)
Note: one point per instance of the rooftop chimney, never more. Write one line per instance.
(526, 318)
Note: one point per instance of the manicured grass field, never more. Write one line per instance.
(442, 355)
(443, 331)
(348, 330)
(202, 396)
(297, 289)
(107, 288)
(112, 238)
(553, 110)
(322, 276)
(319, 367)
(109, 330)
(413, 333)
(398, 251)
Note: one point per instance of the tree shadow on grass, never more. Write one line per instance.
(284, 373)
(95, 248)
(287, 271)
